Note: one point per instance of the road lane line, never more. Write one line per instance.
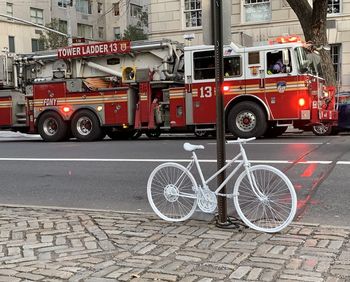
(281, 143)
(159, 160)
(343, 162)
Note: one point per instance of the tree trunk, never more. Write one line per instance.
(313, 22)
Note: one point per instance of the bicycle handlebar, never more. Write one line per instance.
(240, 140)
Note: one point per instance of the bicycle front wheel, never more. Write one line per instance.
(171, 192)
(272, 205)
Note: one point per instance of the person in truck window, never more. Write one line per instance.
(277, 67)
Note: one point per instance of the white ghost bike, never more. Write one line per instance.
(263, 196)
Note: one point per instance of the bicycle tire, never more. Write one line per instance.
(273, 213)
(171, 192)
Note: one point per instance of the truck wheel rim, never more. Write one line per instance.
(321, 129)
(246, 121)
(50, 126)
(84, 126)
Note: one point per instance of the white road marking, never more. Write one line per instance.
(160, 160)
(281, 143)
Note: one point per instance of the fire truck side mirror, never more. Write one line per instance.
(285, 57)
(128, 74)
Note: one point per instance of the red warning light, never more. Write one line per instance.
(66, 109)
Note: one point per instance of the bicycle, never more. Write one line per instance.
(263, 196)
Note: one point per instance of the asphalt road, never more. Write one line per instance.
(113, 174)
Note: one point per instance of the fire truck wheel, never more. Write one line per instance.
(52, 127)
(322, 130)
(247, 119)
(86, 126)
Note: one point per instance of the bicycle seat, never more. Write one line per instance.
(190, 147)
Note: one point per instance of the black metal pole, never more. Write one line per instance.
(220, 121)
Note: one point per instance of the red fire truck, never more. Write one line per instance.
(123, 89)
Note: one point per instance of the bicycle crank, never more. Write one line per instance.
(207, 201)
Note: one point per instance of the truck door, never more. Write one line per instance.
(280, 84)
(203, 87)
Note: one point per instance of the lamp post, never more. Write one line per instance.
(220, 121)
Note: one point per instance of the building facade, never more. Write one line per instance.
(96, 20)
(17, 36)
(252, 22)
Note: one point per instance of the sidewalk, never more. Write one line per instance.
(39, 244)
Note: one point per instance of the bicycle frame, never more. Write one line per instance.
(242, 162)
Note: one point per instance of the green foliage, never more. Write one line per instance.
(52, 40)
(134, 33)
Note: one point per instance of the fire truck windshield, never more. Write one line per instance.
(308, 62)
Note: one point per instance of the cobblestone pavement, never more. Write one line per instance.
(39, 244)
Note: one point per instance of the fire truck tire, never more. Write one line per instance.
(247, 119)
(85, 126)
(322, 130)
(52, 128)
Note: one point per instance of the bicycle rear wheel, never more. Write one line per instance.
(275, 208)
(171, 192)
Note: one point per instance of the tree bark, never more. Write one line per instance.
(313, 22)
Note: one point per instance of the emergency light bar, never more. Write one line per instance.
(286, 39)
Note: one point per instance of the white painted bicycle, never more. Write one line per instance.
(263, 196)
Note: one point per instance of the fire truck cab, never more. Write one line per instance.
(266, 88)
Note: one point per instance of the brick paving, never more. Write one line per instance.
(39, 244)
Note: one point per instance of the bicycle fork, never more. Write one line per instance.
(251, 176)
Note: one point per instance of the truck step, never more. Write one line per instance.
(21, 115)
(21, 120)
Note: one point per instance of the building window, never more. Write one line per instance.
(62, 3)
(257, 10)
(62, 26)
(116, 9)
(333, 7)
(193, 13)
(83, 6)
(135, 10)
(37, 16)
(12, 44)
(85, 31)
(116, 32)
(9, 9)
(37, 45)
(335, 55)
(99, 7)
(100, 32)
